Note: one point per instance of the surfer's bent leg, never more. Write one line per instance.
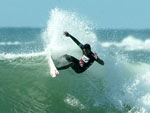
(72, 61)
(64, 67)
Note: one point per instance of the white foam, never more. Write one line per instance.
(137, 88)
(145, 99)
(125, 84)
(74, 102)
(130, 43)
(4, 56)
(10, 43)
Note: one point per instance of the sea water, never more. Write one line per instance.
(122, 85)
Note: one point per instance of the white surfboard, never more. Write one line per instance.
(53, 71)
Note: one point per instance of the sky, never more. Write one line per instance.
(133, 14)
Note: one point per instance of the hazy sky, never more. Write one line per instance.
(103, 13)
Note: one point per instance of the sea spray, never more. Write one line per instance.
(60, 21)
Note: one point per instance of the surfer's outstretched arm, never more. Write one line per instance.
(74, 39)
(98, 59)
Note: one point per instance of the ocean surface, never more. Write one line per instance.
(122, 85)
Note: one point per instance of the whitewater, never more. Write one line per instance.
(122, 85)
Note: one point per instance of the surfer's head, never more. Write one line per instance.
(87, 48)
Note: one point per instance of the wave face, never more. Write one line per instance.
(120, 86)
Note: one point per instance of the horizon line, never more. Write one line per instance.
(102, 28)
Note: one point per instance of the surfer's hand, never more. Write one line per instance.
(95, 55)
(66, 33)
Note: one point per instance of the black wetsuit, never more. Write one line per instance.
(86, 61)
(83, 64)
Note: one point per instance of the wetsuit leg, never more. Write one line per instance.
(69, 59)
(73, 63)
(64, 67)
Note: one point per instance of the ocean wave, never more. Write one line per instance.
(126, 84)
(130, 44)
(14, 43)
(4, 56)
(10, 43)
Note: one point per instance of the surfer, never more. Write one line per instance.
(86, 61)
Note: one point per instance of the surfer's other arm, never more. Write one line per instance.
(74, 39)
(98, 59)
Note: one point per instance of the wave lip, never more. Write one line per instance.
(130, 44)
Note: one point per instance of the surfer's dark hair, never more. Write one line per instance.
(87, 46)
